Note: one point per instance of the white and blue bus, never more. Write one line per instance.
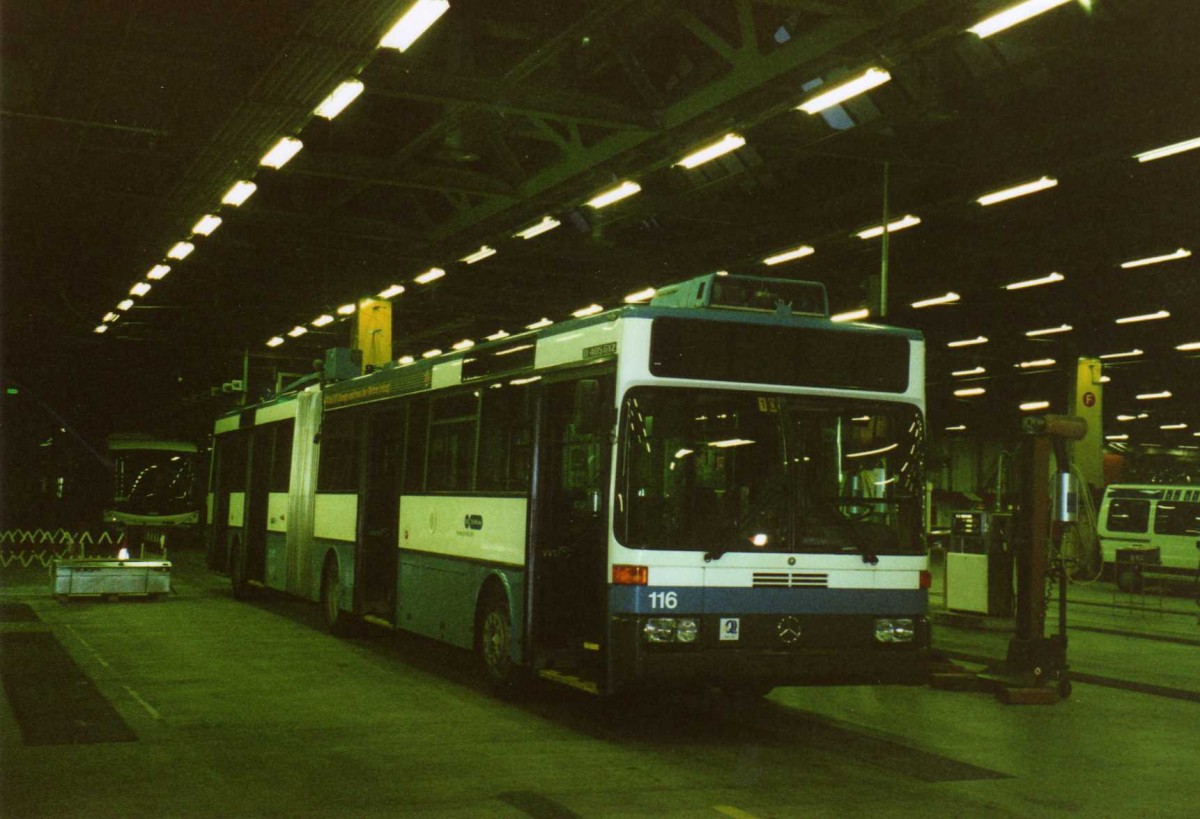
(722, 487)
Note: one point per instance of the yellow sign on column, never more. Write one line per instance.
(1088, 403)
(373, 331)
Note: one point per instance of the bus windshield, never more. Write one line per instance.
(722, 471)
(154, 481)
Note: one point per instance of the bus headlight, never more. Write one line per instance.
(894, 630)
(671, 630)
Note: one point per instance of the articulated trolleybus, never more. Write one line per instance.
(720, 488)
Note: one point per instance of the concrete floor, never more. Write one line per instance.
(250, 710)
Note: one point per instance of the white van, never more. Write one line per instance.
(1143, 517)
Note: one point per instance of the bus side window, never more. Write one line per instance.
(414, 458)
(281, 457)
(505, 439)
(1128, 515)
(452, 442)
(338, 469)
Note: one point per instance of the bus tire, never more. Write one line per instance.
(334, 619)
(495, 642)
(237, 572)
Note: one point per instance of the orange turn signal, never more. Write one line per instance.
(630, 575)
(926, 579)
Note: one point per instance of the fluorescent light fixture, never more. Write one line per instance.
(1189, 346)
(724, 145)
(281, 152)
(547, 223)
(871, 78)
(1172, 426)
(615, 194)
(100, 328)
(391, 292)
(1049, 331)
(517, 382)
(297, 331)
(1023, 189)
(1181, 253)
(322, 320)
(949, 298)
(969, 392)
(1041, 362)
(465, 344)
(1127, 354)
(139, 289)
(405, 360)
(968, 342)
(1121, 437)
(1013, 15)
(431, 353)
(590, 310)
(430, 275)
(337, 101)
(1105, 379)
(1155, 316)
(1153, 396)
(1031, 406)
(274, 341)
(180, 250)
(111, 317)
(540, 323)
(730, 442)
(1051, 279)
(788, 255)
(512, 350)
(239, 193)
(207, 224)
(496, 336)
(158, 271)
(956, 428)
(1127, 417)
(479, 255)
(124, 304)
(1168, 150)
(346, 309)
(972, 371)
(640, 296)
(851, 315)
(414, 22)
(683, 453)
(903, 222)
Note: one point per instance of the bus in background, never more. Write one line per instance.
(1154, 524)
(723, 488)
(155, 497)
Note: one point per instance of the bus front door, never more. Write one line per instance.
(569, 582)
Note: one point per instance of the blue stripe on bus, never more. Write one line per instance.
(724, 600)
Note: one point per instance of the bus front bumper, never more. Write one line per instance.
(766, 663)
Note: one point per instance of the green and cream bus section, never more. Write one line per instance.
(1151, 523)
(656, 494)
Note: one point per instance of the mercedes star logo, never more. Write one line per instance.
(788, 628)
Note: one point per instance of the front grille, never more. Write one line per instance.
(790, 580)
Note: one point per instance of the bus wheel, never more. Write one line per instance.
(495, 642)
(237, 572)
(336, 621)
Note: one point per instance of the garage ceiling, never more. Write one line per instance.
(125, 122)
